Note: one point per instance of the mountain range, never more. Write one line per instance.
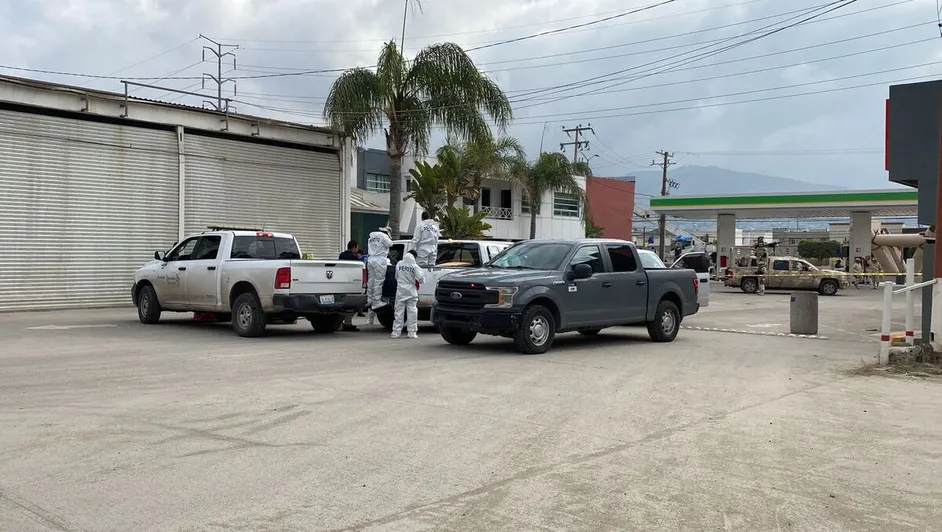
(710, 180)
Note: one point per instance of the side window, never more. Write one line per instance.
(588, 255)
(623, 260)
(184, 250)
(208, 248)
(780, 265)
(396, 252)
(798, 266)
(492, 251)
(469, 253)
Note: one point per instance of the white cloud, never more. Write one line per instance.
(101, 36)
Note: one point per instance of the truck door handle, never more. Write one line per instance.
(182, 268)
(606, 285)
(640, 283)
(211, 268)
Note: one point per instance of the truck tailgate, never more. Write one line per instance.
(327, 277)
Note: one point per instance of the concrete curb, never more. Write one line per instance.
(757, 333)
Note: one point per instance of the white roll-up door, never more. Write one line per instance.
(82, 206)
(234, 183)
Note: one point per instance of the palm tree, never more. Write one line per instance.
(485, 158)
(427, 189)
(404, 99)
(552, 172)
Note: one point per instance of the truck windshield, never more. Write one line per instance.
(532, 256)
(265, 248)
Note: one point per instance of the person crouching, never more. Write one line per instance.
(409, 275)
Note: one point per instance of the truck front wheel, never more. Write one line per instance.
(248, 319)
(456, 336)
(666, 322)
(148, 308)
(536, 332)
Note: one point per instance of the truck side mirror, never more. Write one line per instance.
(159, 255)
(580, 271)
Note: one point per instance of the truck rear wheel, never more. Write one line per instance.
(536, 332)
(750, 285)
(385, 316)
(457, 336)
(248, 319)
(148, 308)
(666, 322)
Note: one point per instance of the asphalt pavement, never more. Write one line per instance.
(108, 424)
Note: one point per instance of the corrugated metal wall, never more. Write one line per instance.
(245, 184)
(82, 206)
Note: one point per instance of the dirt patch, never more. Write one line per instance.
(918, 361)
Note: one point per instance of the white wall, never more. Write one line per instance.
(547, 225)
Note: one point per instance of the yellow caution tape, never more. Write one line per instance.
(826, 274)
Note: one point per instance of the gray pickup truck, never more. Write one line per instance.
(538, 288)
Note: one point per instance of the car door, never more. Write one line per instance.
(803, 276)
(202, 286)
(583, 297)
(779, 274)
(170, 282)
(627, 294)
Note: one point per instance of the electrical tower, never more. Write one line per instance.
(666, 185)
(219, 52)
(577, 145)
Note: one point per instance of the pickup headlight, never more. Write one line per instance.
(505, 297)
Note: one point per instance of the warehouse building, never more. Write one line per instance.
(93, 182)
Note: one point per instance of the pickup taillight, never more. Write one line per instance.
(364, 279)
(696, 286)
(283, 279)
(729, 273)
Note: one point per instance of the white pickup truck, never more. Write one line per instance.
(251, 278)
(453, 255)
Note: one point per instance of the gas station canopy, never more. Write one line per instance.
(838, 204)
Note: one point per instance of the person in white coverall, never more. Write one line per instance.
(425, 241)
(409, 275)
(378, 248)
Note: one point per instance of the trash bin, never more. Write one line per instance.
(804, 313)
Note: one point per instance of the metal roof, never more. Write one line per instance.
(838, 204)
(359, 204)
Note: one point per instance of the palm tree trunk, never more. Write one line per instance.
(395, 194)
(532, 222)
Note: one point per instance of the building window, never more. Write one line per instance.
(524, 203)
(565, 205)
(377, 182)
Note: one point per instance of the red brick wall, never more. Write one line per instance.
(612, 206)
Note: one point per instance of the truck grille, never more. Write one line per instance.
(464, 295)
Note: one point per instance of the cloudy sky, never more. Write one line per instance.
(664, 78)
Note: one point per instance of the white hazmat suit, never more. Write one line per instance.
(378, 248)
(409, 275)
(425, 243)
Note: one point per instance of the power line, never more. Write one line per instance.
(504, 28)
(598, 79)
(149, 59)
(572, 27)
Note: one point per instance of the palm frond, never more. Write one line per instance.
(354, 105)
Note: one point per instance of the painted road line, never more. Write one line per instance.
(757, 333)
(67, 327)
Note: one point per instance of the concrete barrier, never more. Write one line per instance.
(803, 318)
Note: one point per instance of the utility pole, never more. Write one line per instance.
(219, 52)
(666, 185)
(576, 144)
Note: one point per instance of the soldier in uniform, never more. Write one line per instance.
(762, 262)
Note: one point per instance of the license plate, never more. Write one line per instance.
(327, 300)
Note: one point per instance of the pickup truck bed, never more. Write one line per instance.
(538, 288)
(251, 279)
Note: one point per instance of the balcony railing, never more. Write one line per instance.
(498, 213)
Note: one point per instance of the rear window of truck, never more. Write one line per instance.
(265, 248)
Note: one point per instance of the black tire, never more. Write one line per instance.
(666, 322)
(750, 285)
(536, 332)
(248, 320)
(148, 308)
(589, 332)
(385, 316)
(326, 324)
(828, 287)
(457, 336)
